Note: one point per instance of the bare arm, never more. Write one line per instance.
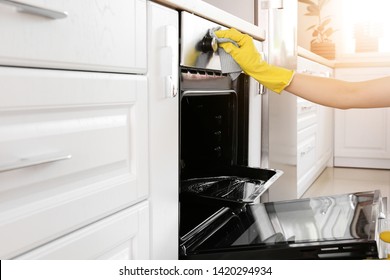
(325, 91)
(342, 94)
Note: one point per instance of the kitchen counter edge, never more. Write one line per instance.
(348, 61)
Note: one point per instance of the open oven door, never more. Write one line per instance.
(330, 227)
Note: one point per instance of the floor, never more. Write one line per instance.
(346, 180)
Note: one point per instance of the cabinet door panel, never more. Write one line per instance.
(97, 121)
(100, 35)
(361, 136)
(122, 236)
(307, 165)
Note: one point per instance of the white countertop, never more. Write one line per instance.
(215, 14)
(314, 57)
(349, 61)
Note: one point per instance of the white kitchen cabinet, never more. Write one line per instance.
(302, 138)
(307, 154)
(163, 36)
(73, 150)
(321, 123)
(362, 136)
(74, 144)
(96, 35)
(122, 236)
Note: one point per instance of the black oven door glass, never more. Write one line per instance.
(328, 227)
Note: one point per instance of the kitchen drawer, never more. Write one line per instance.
(310, 67)
(73, 148)
(306, 113)
(122, 236)
(97, 35)
(307, 165)
(306, 150)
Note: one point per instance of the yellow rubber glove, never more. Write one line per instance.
(246, 55)
(385, 236)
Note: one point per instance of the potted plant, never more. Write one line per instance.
(321, 43)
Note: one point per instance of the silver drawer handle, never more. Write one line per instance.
(35, 10)
(308, 150)
(33, 161)
(306, 108)
(319, 74)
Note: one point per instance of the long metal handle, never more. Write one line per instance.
(261, 89)
(33, 161)
(168, 61)
(35, 10)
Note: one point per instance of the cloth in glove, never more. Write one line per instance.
(228, 64)
(246, 55)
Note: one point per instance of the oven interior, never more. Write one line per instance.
(213, 122)
(213, 136)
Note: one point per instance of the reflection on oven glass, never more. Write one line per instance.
(317, 219)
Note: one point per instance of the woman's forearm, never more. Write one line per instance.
(341, 94)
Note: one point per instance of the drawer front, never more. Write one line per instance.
(310, 67)
(122, 236)
(97, 35)
(307, 114)
(73, 149)
(306, 151)
(307, 165)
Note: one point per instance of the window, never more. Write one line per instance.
(365, 26)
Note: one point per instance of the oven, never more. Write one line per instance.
(222, 179)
